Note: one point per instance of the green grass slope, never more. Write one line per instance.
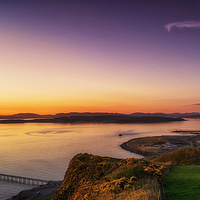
(183, 180)
(182, 183)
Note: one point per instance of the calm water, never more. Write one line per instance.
(43, 151)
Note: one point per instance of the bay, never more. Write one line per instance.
(43, 151)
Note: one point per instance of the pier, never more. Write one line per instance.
(22, 180)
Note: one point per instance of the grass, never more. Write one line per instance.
(152, 149)
(136, 144)
(186, 156)
(146, 140)
(148, 191)
(182, 183)
(95, 177)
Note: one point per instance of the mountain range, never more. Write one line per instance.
(59, 115)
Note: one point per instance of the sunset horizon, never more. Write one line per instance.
(99, 57)
(93, 112)
(99, 99)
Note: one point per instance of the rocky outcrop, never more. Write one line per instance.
(94, 177)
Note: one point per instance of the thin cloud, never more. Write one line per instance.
(185, 24)
(195, 105)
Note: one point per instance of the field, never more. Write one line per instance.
(157, 145)
(182, 182)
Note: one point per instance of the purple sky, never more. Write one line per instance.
(117, 56)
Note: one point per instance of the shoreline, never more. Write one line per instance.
(39, 191)
(159, 145)
(125, 146)
(50, 188)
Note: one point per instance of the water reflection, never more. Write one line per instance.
(48, 132)
(43, 151)
(47, 152)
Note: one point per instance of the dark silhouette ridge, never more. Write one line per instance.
(183, 115)
(70, 114)
(96, 119)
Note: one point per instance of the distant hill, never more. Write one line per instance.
(30, 115)
(84, 118)
(58, 115)
(70, 114)
(115, 119)
(182, 115)
(25, 116)
(186, 156)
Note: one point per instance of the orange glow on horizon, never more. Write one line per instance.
(45, 76)
(124, 109)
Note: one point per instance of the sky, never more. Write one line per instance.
(99, 56)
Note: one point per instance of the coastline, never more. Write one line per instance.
(159, 145)
(118, 119)
(37, 192)
(127, 148)
(46, 190)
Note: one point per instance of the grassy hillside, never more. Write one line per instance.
(182, 183)
(186, 156)
(95, 177)
(183, 180)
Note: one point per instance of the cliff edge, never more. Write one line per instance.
(95, 177)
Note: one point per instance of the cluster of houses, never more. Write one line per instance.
(165, 145)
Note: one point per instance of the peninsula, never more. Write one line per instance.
(158, 145)
(85, 118)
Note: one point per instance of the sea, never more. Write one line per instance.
(43, 151)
